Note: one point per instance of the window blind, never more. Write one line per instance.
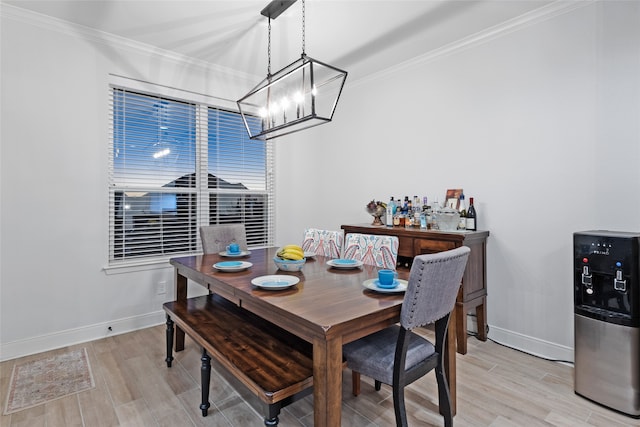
(239, 186)
(176, 165)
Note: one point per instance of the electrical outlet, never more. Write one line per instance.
(161, 288)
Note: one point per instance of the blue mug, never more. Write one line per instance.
(233, 248)
(387, 278)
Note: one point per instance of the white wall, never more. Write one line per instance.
(54, 164)
(539, 124)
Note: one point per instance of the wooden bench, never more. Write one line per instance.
(271, 363)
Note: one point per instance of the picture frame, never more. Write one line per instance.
(452, 199)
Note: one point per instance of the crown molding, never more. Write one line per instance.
(96, 36)
(533, 17)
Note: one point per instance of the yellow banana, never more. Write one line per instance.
(294, 256)
(296, 247)
(292, 252)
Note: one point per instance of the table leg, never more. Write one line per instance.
(450, 359)
(327, 382)
(181, 295)
(481, 319)
(461, 323)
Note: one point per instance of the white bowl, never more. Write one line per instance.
(288, 264)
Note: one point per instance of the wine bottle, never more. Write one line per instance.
(471, 216)
(462, 225)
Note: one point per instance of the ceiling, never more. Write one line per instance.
(360, 36)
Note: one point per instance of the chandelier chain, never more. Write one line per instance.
(303, 27)
(269, 49)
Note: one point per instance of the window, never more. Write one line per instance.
(177, 165)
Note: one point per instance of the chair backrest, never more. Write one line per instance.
(216, 238)
(381, 251)
(433, 286)
(323, 242)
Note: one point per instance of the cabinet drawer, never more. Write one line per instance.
(405, 247)
(425, 246)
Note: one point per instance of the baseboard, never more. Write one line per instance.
(24, 347)
(525, 343)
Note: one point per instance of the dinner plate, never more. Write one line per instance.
(236, 255)
(275, 282)
(232, 265)
(373, 284)
(345, 263)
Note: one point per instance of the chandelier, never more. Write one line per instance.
(303, 94)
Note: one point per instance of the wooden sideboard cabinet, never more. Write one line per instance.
(473, 292)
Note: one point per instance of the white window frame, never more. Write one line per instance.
(202, 192)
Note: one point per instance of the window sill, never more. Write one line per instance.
(137, 266)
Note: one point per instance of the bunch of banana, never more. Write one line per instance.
(292, 252)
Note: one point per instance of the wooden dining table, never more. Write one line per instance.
(328, 307)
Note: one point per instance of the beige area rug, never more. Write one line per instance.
(39, 381)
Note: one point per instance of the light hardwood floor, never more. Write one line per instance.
(497, 387)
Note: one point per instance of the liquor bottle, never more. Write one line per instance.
(390, 208)
(462, 225)
(408, 217)
(415, 211)
(426, 210)
(423, 220)
(471, 216)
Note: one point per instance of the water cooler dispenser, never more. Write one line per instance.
(607, 319)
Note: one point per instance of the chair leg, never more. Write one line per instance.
(398, 405)
(378, 385)
(444, 398)
(355, 383)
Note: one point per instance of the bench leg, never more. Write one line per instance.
(169, 358)
(272, 417)
(205, 379)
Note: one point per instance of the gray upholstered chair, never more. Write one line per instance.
(216, 238)
(397, 356)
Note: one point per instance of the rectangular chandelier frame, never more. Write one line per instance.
(301, 95)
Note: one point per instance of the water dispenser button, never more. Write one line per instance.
(620, 285)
